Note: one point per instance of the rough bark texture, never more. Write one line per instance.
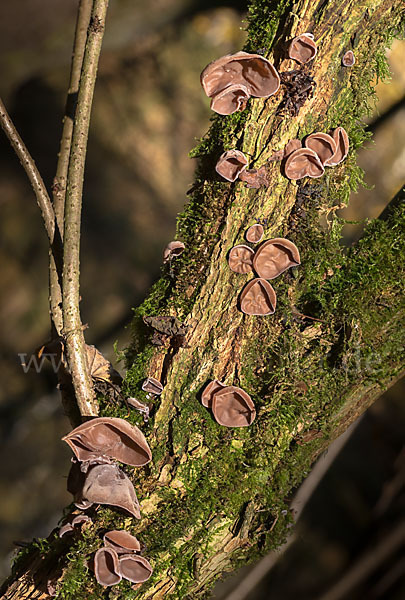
(215, 498)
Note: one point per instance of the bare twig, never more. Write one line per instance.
(73, 332)
(43, 200)
(59, 183)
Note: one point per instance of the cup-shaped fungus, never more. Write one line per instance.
(348, 59)
(107, 567)
(302, 49)
(172, 250)
(121, 541)
(209, 391)
(341, 140)
(233, 407)
(323, 144)
(255, 233)
(152, 386)
(231, 164)
(135, 568)
(240, 259)
(107, 484)
(75, 522)
(303, 163)
(231, 99)
(258, 298)
(291, 146)
(112, 437)
(251, 74)
(274, 257)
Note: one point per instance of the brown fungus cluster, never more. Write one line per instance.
(268, 261)
(320, 150)
(95, 478)
(119, 559)
(232, 79)
(231, 406)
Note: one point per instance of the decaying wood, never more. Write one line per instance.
(215, 498)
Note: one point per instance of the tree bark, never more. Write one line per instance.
(216, 498)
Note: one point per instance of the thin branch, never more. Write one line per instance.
(59, 183)
(73, 331)
(43, 200)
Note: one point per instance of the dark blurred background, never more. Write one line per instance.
(148, 111)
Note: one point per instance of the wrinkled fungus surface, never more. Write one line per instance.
(274, 257)
(258, 298)
(240, 259)
(107, 484)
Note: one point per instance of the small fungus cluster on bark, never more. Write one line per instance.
(320, 150)
(95, 478)
(268, 261)
(120, 558)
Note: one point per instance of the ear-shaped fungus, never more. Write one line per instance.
(112, 437)
(231, 79)
(348, 59)
(152, 386)
(231, 164)
(240, 259)
(233, 407)
(107, 567)
(258, 298)
(209, 391)
(172, 250)
(322, 144)
(341, 140)
(291, 146)
(231, 99)
(303, 163)
(107, 484)
(135, 568)
(121, 541)
(255, 233)
(302, 48)
(70, 525)
(274, 257)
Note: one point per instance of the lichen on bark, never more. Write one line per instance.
(214, 498)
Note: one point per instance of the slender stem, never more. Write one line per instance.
(59, 183)
(43, 200)
(73, 331)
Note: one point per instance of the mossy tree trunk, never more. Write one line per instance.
(214, 498)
